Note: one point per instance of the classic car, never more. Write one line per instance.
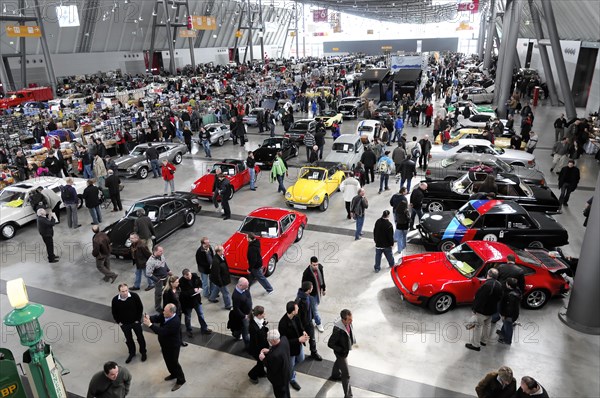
(299, 128)
(277, 229)
(493, 220)
(351, 106)
(219, 133)
(462, 103)
(135, 163)
(451, 195)
(461, 133)
(471, 145)
(315, 185)
(347, 150)
(455, 166)
(15, 210)
(477, 121)
(168, 214)
(235, 171)
(479, 95)
(265, 153)
(251, 118)
(328, 117)
(384, 110)
(368, 129)
(440, 281)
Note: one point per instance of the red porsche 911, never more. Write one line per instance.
(235, 171)
(441, 281)
(277, 229)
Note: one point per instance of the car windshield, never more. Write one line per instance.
(329, 113)
(11, 198)
(138, 151)
(300, 125)
(342, 147)
(151, 210)
(273, 143)
(308, 173)
(260, 226)
(368, 129)
(462, 184)
(526, 189)
(227, 169)
(527, 257)
(448, 161)
(455, 133)
(464, 260)
(467, 215)
(212, 129)
(348, 101)
(498, 150)
(499, 163)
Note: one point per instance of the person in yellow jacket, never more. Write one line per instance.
(278, 171)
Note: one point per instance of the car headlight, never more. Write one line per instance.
(288, 195)
(414, 287)
(128, 243)
(316, 198)
(193, 186)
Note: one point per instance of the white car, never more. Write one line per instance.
(477, 120)
(479, 95)
(369, 129)
(15, 210)
(472, 145)
(347, 149)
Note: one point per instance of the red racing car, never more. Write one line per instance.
(442, 280)
(277, 229)
(236, 172)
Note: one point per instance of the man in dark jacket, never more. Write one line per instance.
(314, 274)
(144, 228)
(358, 207)
(139, 256)
(127, 311)
(320, 139)
(225, 192)
(568, 179)
(111, 382)
(22, 165)
(416, 203)
(255, 263)
(408, 170)
(220, 278)
(68, 195)
(484, 306)
(278, 363)
(191, 287)
(46, 229)
(369, 160)
(306, 317)
(383, 235)
(91, 197)
(53, 165)
(341, 341)
(425, 144)
(509, 309)
(152, 157)
(112, 183)
(291, 327)
(258, 340)
(239, 316)
(168, 328)
(497, 384)
(204, 259)
(101, 252)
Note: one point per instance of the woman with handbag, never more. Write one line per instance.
(167, 171)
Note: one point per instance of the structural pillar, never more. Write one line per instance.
(169, 38)
(4, 77)
(583, 312)
(491, 28)
(481, 40)
(44, 44)
(539, 33)
(262, 31)
(502, 49)
(559, 61)
(510, 36)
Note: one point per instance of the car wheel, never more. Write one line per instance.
(299, 234)
(8, 231)
(271, 265)
(221, 141)
(435, 207)
(190, 219)
(447, 245)
(536, 299)
(441, 302)
(142, 173)
(231, 194)
(325, 204)
(79, 202)
(536, 244)
(178, 158)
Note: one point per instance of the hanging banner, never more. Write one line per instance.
(204, 22)
(23, 31)
(469, 6)
(186, 33)
(405, 62)
(320, 15)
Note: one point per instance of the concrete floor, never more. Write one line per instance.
(402, 350)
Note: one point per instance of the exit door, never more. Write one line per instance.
(584, 72)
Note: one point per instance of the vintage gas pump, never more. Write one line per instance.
(42, 372)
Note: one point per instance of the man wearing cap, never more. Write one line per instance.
(46, 229)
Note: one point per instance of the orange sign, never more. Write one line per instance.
(204, 22)
(23, 31)
(186, 33)
(238, 33)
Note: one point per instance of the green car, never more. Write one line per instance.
(476, 108)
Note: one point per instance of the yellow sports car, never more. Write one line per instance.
(328, 117)
(458, 134)
(315, 184)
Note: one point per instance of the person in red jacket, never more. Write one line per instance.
(167, 171)
(428, 115)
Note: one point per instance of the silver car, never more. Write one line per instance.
(219, 133)
(347, 149)
(136, 165)
(472, 145)
(457, 165)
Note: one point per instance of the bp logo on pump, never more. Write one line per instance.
(9, 390)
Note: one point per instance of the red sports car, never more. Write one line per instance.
(442, 280)
(277, 229)
(236, 172)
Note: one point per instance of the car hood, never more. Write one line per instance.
(126, 161)
(425, 269)
(263, 154)
(438, 222)
(305, 190)
(437, 186)
(8, 213)
(339, 157)
(236, 250)
(119, 231)
(516, 154)
(204, 185)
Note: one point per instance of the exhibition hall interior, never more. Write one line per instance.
(328, 198)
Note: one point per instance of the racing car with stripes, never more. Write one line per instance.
(492, 220)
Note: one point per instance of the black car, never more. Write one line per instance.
(299, 128)
(266, 152)
(351, 107)
(451, 195)
(384, 110)
(493, 220)
(168, 214)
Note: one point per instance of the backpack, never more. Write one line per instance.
(66, 194)
(383, 167)
(38, 201)
(416, 152)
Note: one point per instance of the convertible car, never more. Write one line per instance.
(440, 281)
(235, 171)
(492, 220)
(315, 185)
(135, 163)
(276, 229)
(15, 210)
(328, 117)
(265, 154)
(463, 132)
(168, 214)
(451, 195)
